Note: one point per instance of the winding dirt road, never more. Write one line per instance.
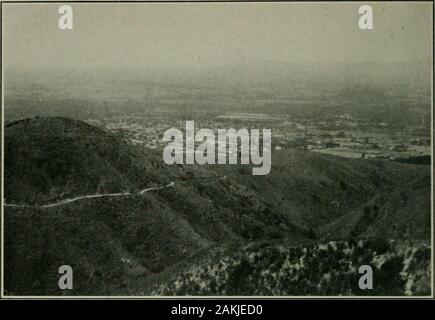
(66, 201)
(121, 194)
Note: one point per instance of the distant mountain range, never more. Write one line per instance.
(147, 243)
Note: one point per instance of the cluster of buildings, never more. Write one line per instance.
(340, 136)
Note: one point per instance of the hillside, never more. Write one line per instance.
(51, 158)
(404, 213)
(125, 245)
(330, 268)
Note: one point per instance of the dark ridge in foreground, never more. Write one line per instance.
(146, 243)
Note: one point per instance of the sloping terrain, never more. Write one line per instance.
(403, 213)
(331, 268)
(138, 243)
(52, 158)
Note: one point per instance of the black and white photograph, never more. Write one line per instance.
(217, 149)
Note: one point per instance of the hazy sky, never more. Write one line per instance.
(213, 34)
